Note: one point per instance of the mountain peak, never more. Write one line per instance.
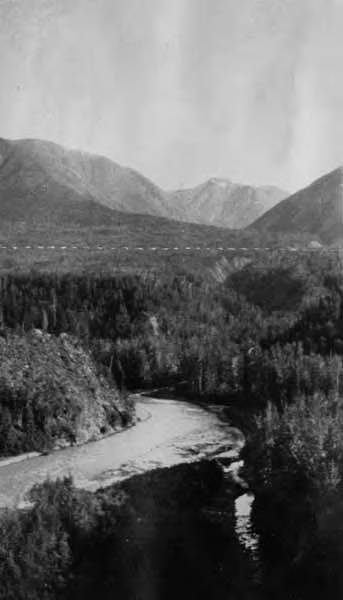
(218, 201)
(220, 182)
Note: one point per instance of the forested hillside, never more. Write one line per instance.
(257, 334)
(52, 395)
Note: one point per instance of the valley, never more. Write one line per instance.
(171, 300)
(173, 384)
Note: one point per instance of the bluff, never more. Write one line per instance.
(51, 394)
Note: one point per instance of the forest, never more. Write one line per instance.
(270, 331)
(147, 537)
(267, 343)
(52, 394)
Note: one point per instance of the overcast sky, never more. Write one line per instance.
(181, 90)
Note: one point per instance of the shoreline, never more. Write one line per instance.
(141, 416)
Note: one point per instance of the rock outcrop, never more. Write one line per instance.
(51, 394)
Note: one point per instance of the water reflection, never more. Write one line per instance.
(245, 533)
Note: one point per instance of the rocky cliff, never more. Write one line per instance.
(51, 394)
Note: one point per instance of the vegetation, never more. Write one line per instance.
(148, 537)
(264, 338)
(295, 467)
(228, 340)
(51, 394)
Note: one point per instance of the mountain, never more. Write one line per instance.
(50, 196)
(223, 203)
(48, 172)
(39, 177)
(316, 209)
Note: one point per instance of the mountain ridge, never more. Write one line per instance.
(316, 209)
(33, 167)
(221, 202)
(85, 173)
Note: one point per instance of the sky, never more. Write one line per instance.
(181, 90)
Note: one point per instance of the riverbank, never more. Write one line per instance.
(173, 432)
(140, 415)
(4, 462)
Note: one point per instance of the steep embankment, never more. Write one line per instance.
(51, 394)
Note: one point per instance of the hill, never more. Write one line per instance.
(316, 210)
(223, 203)
(51, 394)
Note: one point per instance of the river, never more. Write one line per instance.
(169, 432)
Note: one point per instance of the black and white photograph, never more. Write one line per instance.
(171, 299)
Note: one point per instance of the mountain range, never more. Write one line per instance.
(37, 175)
(44, 183)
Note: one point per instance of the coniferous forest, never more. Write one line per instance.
(265, 342)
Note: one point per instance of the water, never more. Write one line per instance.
(244, 531)
(246, 535)
(171, 432)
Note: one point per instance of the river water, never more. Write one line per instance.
(169, 432)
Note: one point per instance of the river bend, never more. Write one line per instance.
(169, 432)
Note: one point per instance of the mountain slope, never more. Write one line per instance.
(34, 189)
(46, 170)
(316, 209)
(37, 176)
(223, 203)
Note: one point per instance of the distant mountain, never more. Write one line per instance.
(39, 177)
(223, 203)
(44, 172)
(316, 209)
(51, 195)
